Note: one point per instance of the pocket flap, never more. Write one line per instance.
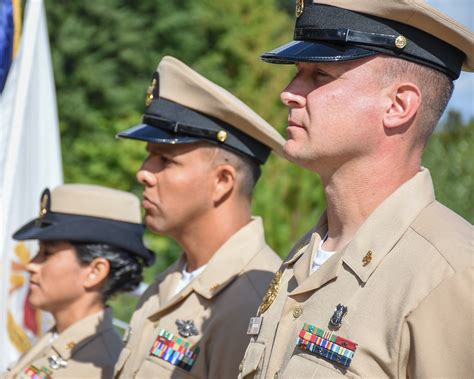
(252, 358)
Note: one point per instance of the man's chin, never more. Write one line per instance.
(153, 226)
(292, 152)
(296, 155)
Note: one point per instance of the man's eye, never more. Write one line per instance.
(320, 74)
(166, 160)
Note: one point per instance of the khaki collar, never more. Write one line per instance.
(388, 223)
(78, 335)
(69, 341)
(377, 235)
(225, 265)
(309, 239)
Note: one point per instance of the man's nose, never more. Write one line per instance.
(292, 96)
(145, 177)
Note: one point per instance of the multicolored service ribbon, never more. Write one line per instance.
(326, 344)
(175, 350)
(36, 373)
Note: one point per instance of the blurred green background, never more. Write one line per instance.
(104, 54)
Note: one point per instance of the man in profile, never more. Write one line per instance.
(205, 148)
(383, 285)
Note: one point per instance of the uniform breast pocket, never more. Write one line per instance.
(253, 359)
(305, 365)
(154, 367)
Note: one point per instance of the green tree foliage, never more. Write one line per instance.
(104, 53)
(450, 158)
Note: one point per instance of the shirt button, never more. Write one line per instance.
(276, 375)
(297, 311)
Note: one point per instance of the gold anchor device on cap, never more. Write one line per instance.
(341, 30)
(184, 107)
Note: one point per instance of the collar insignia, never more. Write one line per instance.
(367, 258)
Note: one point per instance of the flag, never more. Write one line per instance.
(10, 26)
(30, 160)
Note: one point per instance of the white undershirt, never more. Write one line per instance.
(187, 277)
(53, 337)
(321, 256)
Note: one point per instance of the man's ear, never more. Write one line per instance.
(224, 182)
(403, 105)
(99, 269)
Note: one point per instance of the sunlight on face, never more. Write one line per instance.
(176, 180)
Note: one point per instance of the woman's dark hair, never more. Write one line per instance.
(125, 268)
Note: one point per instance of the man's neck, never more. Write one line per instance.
(352, 195)
(201, 239)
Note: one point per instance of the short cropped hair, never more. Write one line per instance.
(248, 171)
(436, 90)
(126, 271)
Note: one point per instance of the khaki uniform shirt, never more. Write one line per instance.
(87, 349)
(218, 303)
(406, 279)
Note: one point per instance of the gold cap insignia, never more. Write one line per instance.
(271, 294)
(299, 8)
(222, 136)
(150, 92)
(400, 42)
(44, 205)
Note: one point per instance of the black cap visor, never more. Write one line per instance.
(309, 51)
(67, 227)
(167, 122)
(149, 133)
(325, 33)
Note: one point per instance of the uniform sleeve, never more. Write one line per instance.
(229, 337)
(441, 330)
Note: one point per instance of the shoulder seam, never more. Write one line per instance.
(431, 244)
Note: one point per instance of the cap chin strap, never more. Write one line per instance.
(180, 128)
(348, 35)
